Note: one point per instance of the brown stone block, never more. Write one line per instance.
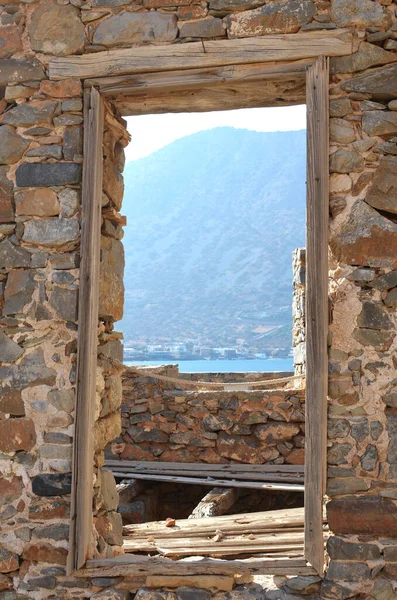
(10, 40)
(6, 200)
(276, 17)
(111, 288)
(39, 202)
(45, 553)
(17, 434)
(165, 3)
(297, 457)
(9, 561)
(56, 29)
(366, 239)
(5, 583)
(67, 88)
(194, 11)
(208, 27)
(10, 489)
(363, 515)
(106, 429)
(49, 509)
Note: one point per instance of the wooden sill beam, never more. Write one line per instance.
(292, 563)
(212, 53)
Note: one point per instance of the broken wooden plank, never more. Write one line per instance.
(254, 485)
(211, 53)
(215, 503)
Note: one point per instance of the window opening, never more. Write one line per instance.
(212, 219)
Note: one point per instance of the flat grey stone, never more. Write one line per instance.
(340, 549)
(346, 161)
(189, 593)
(12, 256)
(72, 142)
(136, 28)
(374, 316)
(9, 350)
(367, 56)
(64, 302)
(31, 371)
(338, 428)
(47, 175)
(12, 145)
(52, 484)
(51, 232)
(51, 151)
(391, 299)
(27, 114)
(65, 36)
(63, 400)
(18, 291)
(380, 123)
(359, 429)
(370, 458)
(209, 27)
(341, 131)
(13, 70)
(276, 17)
(381, 84)
(67, 119)
(359, 13)
(383, 192)
(340, 107)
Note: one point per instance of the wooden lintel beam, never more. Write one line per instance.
(283, 47)
(165, 81)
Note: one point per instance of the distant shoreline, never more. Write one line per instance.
(255, 365)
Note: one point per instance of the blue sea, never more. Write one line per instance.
(225, 366)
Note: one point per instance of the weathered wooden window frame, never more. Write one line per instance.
(129, 65)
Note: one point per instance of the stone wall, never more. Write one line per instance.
(299, 310)
(40, 186)
(162, 423)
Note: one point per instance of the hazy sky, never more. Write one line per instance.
(151, 132)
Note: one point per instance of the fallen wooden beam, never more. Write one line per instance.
(254, 485)
(274, 519)
(215, 503)
(211, 53)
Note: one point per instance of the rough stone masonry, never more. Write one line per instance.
(41, 130)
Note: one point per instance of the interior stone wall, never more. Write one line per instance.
(253, 426)
(299, 310)
(40, 188)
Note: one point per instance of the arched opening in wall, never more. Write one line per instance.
(215, 206)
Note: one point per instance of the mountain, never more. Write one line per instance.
(212, 220)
